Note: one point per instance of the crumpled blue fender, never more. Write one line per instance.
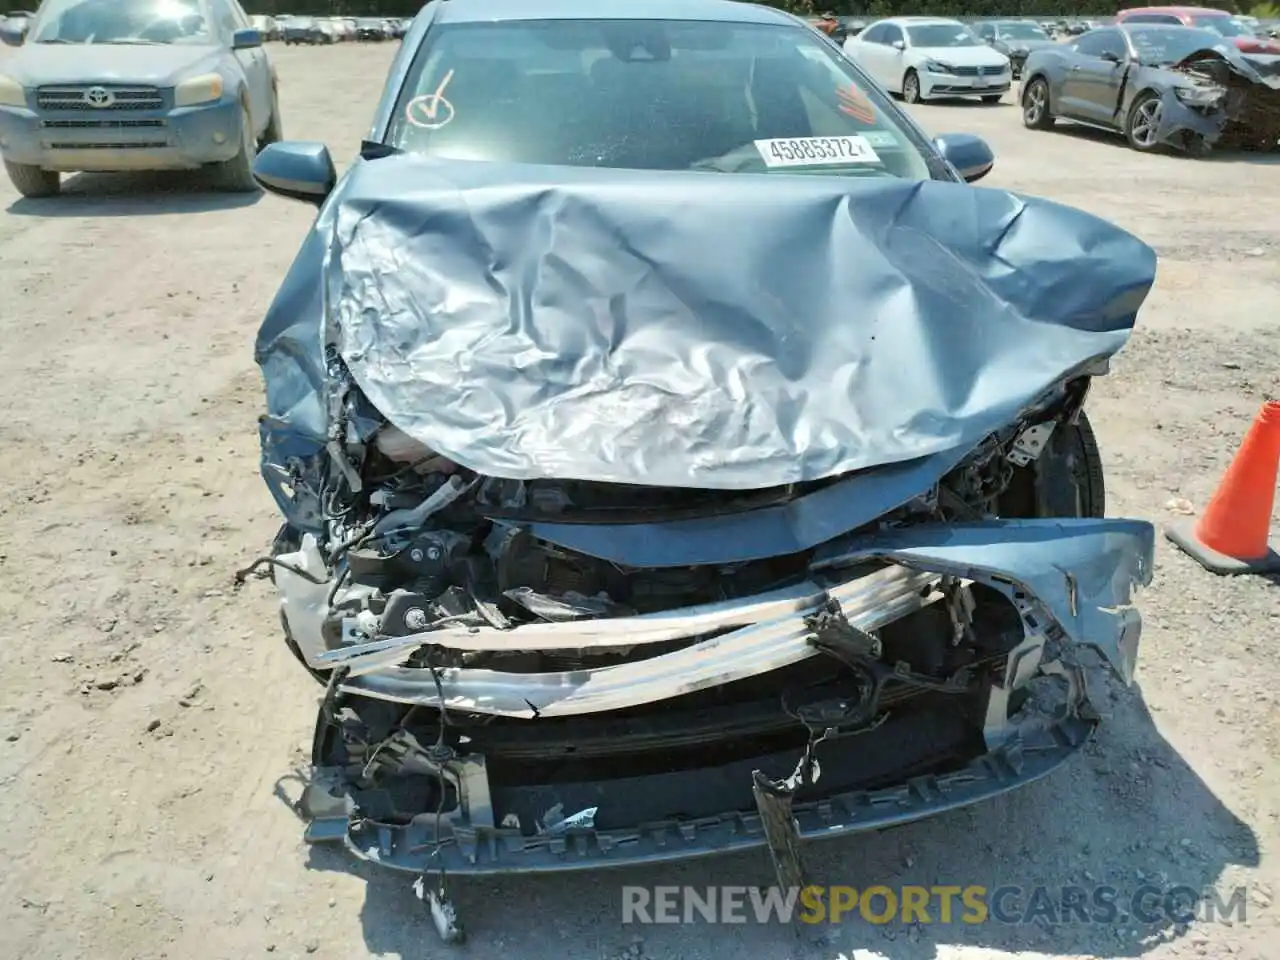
(1083, 571)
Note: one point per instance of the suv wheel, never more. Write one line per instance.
(32, 181)
(236, 174)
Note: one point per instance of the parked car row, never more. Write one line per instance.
(325, 30)
(924, 57)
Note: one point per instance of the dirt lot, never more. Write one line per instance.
(148, 710)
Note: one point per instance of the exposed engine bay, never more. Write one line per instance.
(1236, 104)
(528, 693)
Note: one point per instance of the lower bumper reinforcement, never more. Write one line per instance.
(496, 850)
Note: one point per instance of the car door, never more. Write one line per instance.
(892, 58)
(1094, 74)
(229, 17)
(865, 49)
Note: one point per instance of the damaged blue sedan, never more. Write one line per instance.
(677, 454)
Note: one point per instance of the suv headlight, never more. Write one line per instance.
(12, 93)
(1200, 96)
(200, 89)
(933, 66)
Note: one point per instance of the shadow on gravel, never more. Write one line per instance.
(1113, 138)
(133, 195)
(963, 102)
(1127, 816)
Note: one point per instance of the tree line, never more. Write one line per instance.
(863, 8)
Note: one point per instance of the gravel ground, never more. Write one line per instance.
(151, 716)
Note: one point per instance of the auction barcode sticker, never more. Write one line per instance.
(816, 151)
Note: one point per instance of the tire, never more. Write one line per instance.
(1036, 113)
(1141, 123)
(911, 87)
(1066, 480)
(992, 98)
(275, 129)
(32, 182)
(236, 175)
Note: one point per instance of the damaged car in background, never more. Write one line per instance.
(653, 497)
(1160, 86)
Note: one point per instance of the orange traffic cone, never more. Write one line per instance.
(1231, 535)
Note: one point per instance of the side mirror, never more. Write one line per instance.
(246, 39)
(970, 155)
(296, 169)
(14, 36)
(899, 44)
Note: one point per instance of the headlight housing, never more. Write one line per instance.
(933, 66)
(202, 89)
(1200, 96)
(12, 93)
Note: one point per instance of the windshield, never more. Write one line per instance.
(649, 94)
(1222, 25)
(1165, 45)
(121, 21)
(1022, 31)
(941, 35)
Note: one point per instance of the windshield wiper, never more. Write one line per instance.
(61, 40)
(133, 41)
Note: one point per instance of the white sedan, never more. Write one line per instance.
(924, 57)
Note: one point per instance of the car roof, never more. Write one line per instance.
(916, 21)
(726, 11)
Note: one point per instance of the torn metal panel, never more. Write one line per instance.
(1223, 98)
(804, 522)
(1084, 572)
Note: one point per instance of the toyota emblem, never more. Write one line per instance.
(99, 97)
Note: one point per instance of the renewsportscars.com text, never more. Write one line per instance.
(945, 904)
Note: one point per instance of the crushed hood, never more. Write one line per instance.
(729, 331)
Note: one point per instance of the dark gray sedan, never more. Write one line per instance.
(1016, 39)
(1158, 85)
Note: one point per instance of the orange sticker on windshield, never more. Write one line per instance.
(854, 102)
(431, 111)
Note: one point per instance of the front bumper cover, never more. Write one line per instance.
(178, 138)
